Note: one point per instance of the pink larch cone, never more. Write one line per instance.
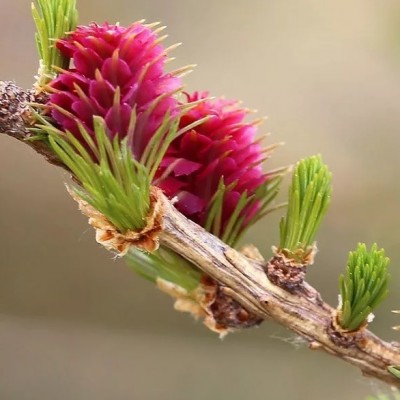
(116, 71)
(224, 147)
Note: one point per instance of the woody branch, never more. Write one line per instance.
(301, 310)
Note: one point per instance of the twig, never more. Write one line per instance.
(16, 118)
(302, 311)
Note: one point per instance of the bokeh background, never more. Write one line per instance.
(77, 324)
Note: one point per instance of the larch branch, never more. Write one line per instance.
(302, 311)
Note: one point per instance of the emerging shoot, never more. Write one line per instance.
(363, 287)
(53, 20)
(309, 198)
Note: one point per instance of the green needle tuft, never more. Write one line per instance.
(237, 225)
(309, 198)
(363, 287)
(53, 20)
(111, 180)
(164, 264)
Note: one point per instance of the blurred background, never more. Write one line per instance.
(77, 324)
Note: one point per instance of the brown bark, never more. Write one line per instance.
(16, 118)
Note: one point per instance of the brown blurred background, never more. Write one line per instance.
(76, 324)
